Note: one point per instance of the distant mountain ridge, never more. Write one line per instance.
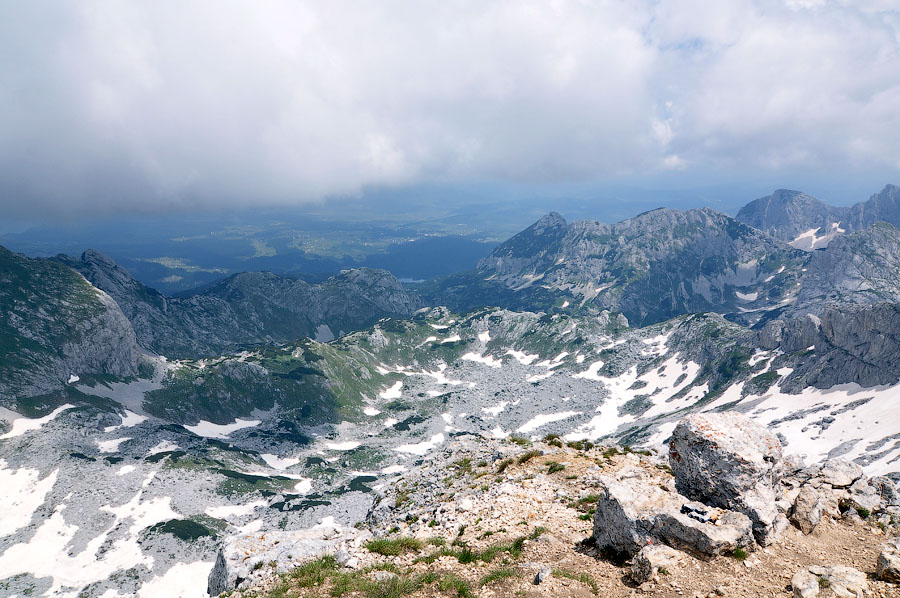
(808, 223)
(652, 267)
(246, 308)
(785, 254)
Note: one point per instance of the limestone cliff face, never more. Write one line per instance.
(859, 268)
(884, 206)
(253, 307)
(55, 324)
(849, 344)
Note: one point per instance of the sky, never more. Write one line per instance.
(155, 106)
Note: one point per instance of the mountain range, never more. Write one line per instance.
(265, 403)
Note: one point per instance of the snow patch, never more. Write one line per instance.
(23, 492)
(111, 446)
(182, 580)
(522, 357)
(323, 334)
(210, 430)
(129, 420)
(23, 424)
(394, 392)
(496, 409)
(422, 447)
(348, 445)
(485, 359)
(228, 511)
(544, 419)
(276, 462)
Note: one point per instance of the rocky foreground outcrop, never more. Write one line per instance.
(498, 518)
(727, 460)
(633, 512)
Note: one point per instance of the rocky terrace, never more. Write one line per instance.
(515, 518)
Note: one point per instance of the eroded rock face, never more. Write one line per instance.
(888, 565)
(839, 473)
(837, 580)
(634, 512)
(728, 461)
(806, 512)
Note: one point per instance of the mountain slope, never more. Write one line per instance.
(652, 267)
(794, 217)
(254, 307)
(54, 325)
(884, 206)
(859, 268)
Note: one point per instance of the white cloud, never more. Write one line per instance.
(287, 101)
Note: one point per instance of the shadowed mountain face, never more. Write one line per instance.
(652, 267)
(54, 324)
(247, 308)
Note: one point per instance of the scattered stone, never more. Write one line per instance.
(838, 580)
(384, 575)
(806, 513)
(888, 566)
(633, 512)
(542, 574)
(342, 557)
(886, 489)
(727, 460)
(646, 564)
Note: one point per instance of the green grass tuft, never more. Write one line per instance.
(395, 546)
(582, 577)
(528, 456)
(497, 575)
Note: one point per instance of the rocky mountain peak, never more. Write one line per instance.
(551, 221)
(884, 206)
(793, 216)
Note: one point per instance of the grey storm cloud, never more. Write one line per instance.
(158, 103)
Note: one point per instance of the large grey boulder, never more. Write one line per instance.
(888, 566)
(634, 512)
(726, 460)
(838, 580)
(806, 512)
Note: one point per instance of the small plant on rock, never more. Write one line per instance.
(553, 467)
(528, 456)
